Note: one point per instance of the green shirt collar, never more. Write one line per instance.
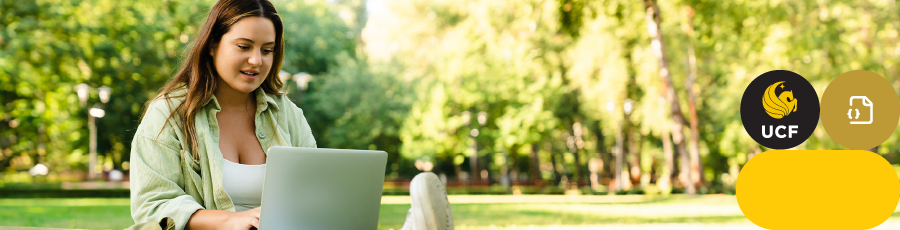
(263, 101)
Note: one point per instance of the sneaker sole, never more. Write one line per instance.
(430, 193)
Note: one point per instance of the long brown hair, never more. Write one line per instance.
(198, 74)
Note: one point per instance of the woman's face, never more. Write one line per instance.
(243, 57)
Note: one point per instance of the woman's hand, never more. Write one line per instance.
(218, 219)
(242, 220)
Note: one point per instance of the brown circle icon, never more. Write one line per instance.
(860, 109)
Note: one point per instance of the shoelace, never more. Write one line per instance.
(448, 215)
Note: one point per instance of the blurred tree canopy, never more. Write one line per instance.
(510, 92)
(48, 47)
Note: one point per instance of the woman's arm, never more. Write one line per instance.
(157, 182)
(217, 219)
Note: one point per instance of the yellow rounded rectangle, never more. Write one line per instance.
(818, 189)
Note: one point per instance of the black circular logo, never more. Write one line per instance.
(780, 109)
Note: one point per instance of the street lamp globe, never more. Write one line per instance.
(302, 79)
(466, 117)
(82, 91)
(39, 169)
(97, 112)
(628, 106)
(284, 75)
(482, 118)
(104, 92)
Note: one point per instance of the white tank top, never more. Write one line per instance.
(243, 183)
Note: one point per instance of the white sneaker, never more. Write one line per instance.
(430, 209)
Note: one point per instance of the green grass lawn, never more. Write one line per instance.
(470, 212)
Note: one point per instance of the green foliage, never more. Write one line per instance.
(49, 47)
(314, 36)
(412, 77)
(134, 47)
(538, 67)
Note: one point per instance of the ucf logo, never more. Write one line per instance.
(779, 105)
(783, 124)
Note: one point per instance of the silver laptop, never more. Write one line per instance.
(313, 188)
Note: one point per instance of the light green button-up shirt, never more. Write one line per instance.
(168, 186)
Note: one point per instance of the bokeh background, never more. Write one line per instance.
(496, 97)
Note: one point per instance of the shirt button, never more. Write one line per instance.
(261, 135)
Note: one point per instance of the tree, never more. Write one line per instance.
(48, 47)
(678, 121)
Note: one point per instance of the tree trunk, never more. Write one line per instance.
(576, 174)
(536, 167)
(505, 179)
(678, 121)
(696, 164)
(634, 156)
(619, 151)
(685, 163)
(458, 171)
(557, 177)
(473, 163)
(665, 181)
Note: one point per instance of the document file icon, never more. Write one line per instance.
(865, 102)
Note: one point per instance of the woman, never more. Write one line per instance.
(217, 115)
(207, 130)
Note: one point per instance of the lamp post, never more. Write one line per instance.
(473, 158)
(473, 133)
(620, 148)
(83, 90)
(626, 107)
(482, 119)
(617, 173)
(301, 79)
